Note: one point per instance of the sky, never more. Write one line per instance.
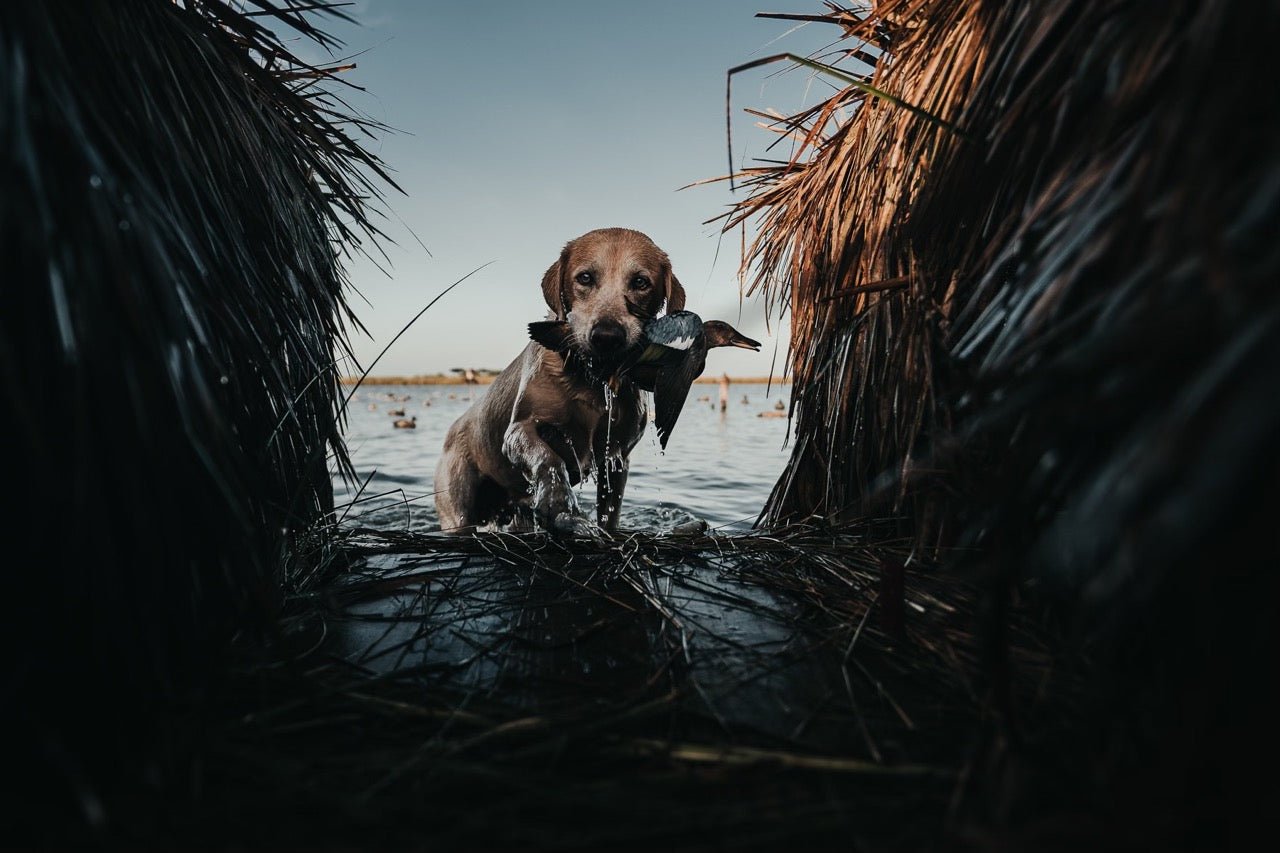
(520, 125)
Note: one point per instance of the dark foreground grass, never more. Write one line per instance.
(723, 692)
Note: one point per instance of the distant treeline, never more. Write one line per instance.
(445, 379)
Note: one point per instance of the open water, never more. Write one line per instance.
(718, 466)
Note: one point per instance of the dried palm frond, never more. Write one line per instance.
(864, 308)
(1051, 332)
(177, 193)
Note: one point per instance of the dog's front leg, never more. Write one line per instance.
(611, 481)
(543, 468)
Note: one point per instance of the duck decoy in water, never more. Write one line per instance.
(407, 423)
(672, 355)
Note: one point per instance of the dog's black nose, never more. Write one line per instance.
(607, 337)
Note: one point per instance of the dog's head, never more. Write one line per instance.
(606, 284)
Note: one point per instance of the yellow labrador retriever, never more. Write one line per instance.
(549, 420)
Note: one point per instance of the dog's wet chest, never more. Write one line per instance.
(615, 417)
(594, 419)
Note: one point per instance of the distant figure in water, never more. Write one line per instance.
(745, 401)
(395, 413)
(779, 406)
(407, 423)
(724, 392)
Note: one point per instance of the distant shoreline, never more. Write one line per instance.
(445, 379)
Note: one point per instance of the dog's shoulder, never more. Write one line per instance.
(547, 388)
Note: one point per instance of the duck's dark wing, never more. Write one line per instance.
(552, 334)
(644, 375)
(671, 388)
(643, 366)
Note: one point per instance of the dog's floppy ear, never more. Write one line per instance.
(675, 292)
(553, 289)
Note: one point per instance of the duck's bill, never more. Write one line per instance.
(743, 342)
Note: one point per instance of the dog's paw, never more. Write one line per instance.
(575, 525)
(689, 528)
(552, 498)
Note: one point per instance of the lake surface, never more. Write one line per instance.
(719, 467)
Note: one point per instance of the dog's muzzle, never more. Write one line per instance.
(607, 339)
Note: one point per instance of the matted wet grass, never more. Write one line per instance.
(725, 691)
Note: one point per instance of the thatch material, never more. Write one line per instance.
(173, 198)
(1037, 313)
(685, 693)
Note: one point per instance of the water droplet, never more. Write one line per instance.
(95, 182)
(224, 380)
(124, 225)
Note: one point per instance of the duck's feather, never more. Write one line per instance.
(659, 354)
(682, 343)
(677, 330)
(644, 376)
(555, 335)
(671, 387)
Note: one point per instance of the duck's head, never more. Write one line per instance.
(720, 334)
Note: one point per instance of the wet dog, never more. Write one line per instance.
(548, 420)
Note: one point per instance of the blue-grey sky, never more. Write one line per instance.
(523, 124)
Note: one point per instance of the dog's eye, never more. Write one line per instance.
(640, 283)
(584, 278)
